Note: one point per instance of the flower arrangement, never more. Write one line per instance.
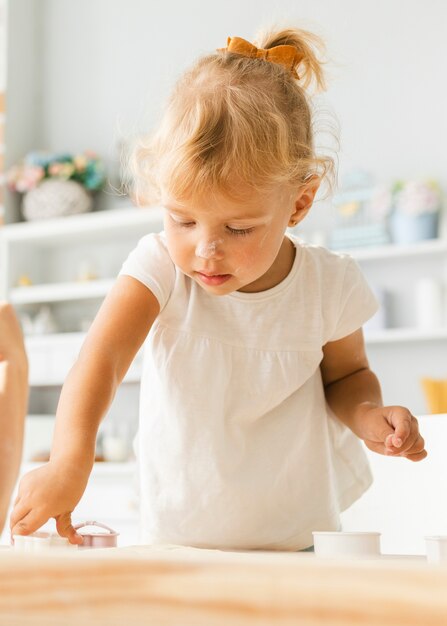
(373, 214)
(416, 197)
(86, 169)
(415, 212)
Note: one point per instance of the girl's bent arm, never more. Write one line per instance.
(117, 333)
(353, 393)
(349, 384)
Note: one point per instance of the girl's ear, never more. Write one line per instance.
(304, 200)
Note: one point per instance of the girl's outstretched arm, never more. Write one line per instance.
(353, 393)
(13, 403)
(115, 337)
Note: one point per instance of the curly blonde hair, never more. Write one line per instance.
(234, 122)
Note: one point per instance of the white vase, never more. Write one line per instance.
(56, 198)
(410, 228)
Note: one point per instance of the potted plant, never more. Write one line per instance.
(416, 206)
(56, 184)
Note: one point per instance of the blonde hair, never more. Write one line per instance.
(233, 123)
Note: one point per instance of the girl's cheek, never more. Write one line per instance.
(263, 240)
(248, 255)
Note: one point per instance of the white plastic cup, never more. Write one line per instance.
(429, 303)
(115, 449)
(339, 544)
(436, 549)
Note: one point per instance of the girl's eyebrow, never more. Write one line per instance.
(235, 218)
(174, 208)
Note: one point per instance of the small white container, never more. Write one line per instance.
(429, 303)
(436, 548)
(347, 544)
(40, 541)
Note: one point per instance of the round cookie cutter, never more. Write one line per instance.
(98, 539)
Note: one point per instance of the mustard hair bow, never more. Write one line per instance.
(287, 56)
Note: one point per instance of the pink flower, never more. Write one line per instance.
(23, 178)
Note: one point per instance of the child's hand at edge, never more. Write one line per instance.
(391, 430)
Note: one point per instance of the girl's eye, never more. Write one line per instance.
(190, 224)
(178, 222)
(239, 231)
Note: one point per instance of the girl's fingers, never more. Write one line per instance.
(29, 523)
(416, 449)
(65, 529)
(402, 421)
(18, 513)
(418, 446)
(407, 445)
(416, 452)
(419, 456)
(377, 447)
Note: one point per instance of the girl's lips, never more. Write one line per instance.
(215, 279)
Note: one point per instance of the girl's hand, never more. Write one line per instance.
(52, 490)
(391, 430)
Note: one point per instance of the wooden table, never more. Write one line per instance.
(187, 587)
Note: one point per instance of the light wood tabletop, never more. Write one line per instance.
(173, 586)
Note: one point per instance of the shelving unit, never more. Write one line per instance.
(48, 249)
(405, 335)
(49, 253)
(52, 356)
(60, 292)
(99, 469)
(420, 249)
(404, 353)
(99, 224)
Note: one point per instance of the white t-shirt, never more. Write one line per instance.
(237, 447)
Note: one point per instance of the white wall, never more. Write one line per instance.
(24, 80)
(107, 65)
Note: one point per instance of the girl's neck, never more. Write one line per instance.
(277, 272)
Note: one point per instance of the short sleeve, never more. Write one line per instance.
(151, 264)
(356, 302)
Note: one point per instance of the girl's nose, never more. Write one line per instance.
(211, 249)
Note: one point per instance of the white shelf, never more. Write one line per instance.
(90, 225)
(401, 335)
(106, 468)
(59, 292)
(46, 341)
(58, 381)
(422, 248)
(52, 356)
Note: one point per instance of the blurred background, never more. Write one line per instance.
(80, 80)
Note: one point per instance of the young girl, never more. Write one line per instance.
(256, 388)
